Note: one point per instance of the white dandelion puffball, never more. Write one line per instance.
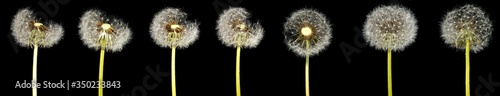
(390, 28)
(307, 25)
(467, 22)
(234, 29)
(170, 27)
(97, 31)
(28, 30)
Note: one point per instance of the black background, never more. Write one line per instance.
(426, 67)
